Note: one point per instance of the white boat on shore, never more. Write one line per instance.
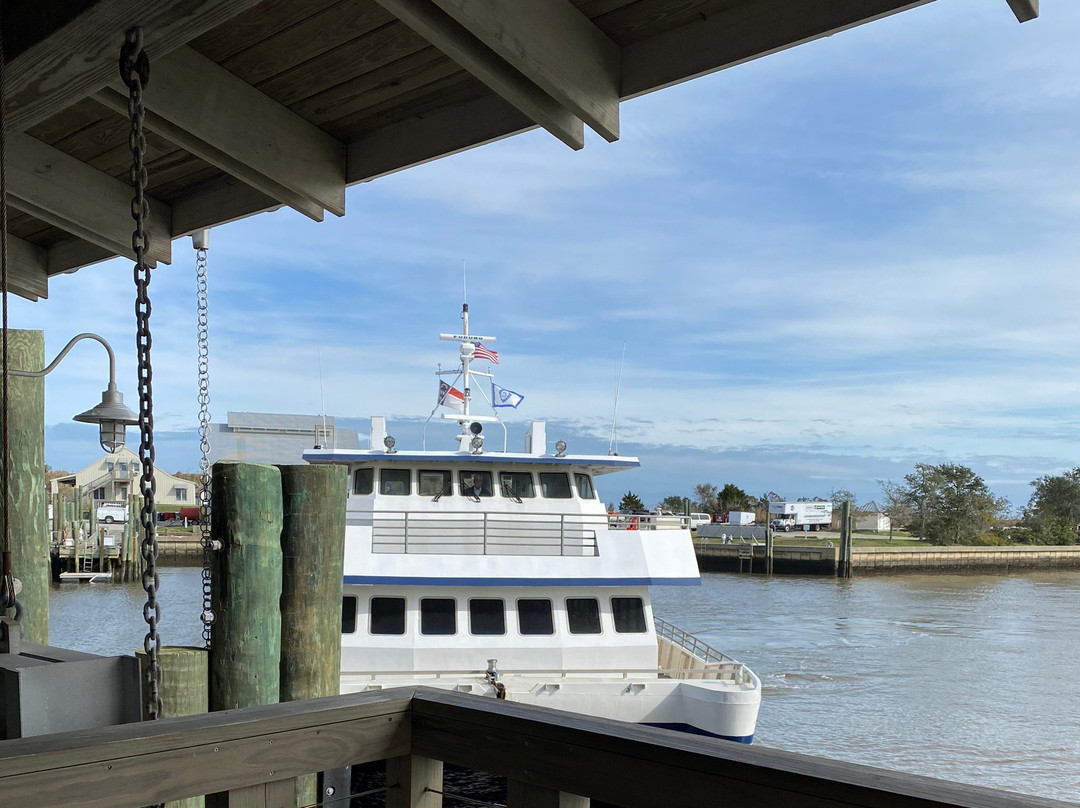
(501, 574)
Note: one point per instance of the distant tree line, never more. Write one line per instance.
(945, 503)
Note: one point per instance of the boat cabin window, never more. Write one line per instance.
(487, 616)
(475, 483)
(395, 482)
(363, 481)
(555, 485)
(434, 483)
(629, 614)
(438, 616)
(348, 615)
(517, 484)
(534, 616)
(584, 486)
(387, 615)
(583, 615)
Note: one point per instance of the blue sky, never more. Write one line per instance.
(826, 266)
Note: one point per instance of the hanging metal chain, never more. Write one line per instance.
(135, 72)
(209, 545)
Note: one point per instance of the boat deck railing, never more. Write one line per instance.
(471, 533)
(705, 662)
(647, 521)
(251, 756)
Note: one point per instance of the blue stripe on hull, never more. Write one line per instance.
(404, 580)
(692, 730)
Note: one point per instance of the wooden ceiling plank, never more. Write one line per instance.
(80, 57)
(453, 39)
(1025, 10)
(421, 140)
(73, 253)
(209, 112)
(27, 269)
(255, 25)
(556, 47)
(741, 34)
(69, 194)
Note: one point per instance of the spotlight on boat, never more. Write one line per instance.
(560, 448)
(389, 443)
(477, 443)
(476, 427)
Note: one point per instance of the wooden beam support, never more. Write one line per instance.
(556, 47)
(87, 203)
(28, 269)
(457, 42)
(80, 57)
(206, 110)
(1024, 10)
(743, 32)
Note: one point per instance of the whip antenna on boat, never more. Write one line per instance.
(613, 441)
(322, 398)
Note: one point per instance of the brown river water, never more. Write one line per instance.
(973, 678)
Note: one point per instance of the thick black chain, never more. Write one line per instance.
(135, 71)
(204, 440)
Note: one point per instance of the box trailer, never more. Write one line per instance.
(740, 518)
(800, 515)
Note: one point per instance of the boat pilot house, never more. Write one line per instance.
(390, 608)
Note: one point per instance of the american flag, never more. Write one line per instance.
(485, 353)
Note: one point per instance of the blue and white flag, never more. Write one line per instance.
(501, 397)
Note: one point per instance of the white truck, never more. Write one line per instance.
(740, 518)
(800, 515)
(109, 512)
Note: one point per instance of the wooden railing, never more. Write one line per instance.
(249, 758)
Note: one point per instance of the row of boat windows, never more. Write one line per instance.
(487, 616)
(474, 483)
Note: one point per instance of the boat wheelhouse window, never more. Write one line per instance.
(438, 616)
(555, 485)
(583, 614)
(363, 481)
(348, 615)
(534, 616)
(487, 616)
(387, 615)
(629, 614)
(475, 483)
(584, 486)
(395, 482)
(517, 484)
(434, 483)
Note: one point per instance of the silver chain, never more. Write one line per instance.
(135, 71)
(204, 440)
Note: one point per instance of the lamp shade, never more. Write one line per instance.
(113, 416)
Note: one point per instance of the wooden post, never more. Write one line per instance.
(25, 507)
(313, 549)
(768, 545)
(184, 682)
(528, 795)
(414, 782)
(844, 569)
(245, 651)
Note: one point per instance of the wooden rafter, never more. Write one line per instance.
(209, 112)
(27, 269)
(1025, 10)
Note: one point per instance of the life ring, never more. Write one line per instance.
(633, 524)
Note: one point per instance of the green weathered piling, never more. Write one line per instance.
(184, 682)
(246, 642)
(26, 505)
(312, 547)
(844, 568)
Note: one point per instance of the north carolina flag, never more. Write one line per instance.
(451, 397)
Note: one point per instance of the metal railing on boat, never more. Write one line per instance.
(471, 533)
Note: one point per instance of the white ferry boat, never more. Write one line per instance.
(501, 574)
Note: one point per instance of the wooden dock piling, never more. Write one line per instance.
(313, 549)
(246, 641)
(26, 505)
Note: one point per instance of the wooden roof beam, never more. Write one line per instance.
(1024, 9)
(27, 269)
(465, 48)
(89, 204)
(207, 111)
(556, 47)
(80, 56)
